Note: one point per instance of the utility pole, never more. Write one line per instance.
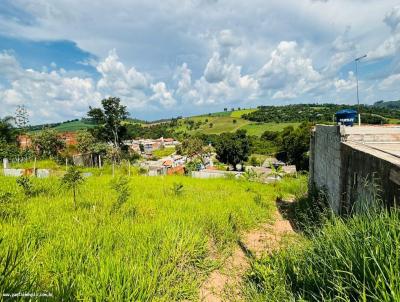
(358, 98)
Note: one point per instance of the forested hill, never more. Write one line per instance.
(319, 113)
(388, 104)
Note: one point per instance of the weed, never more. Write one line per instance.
(121, 186)
(177, 188)
(25, 183)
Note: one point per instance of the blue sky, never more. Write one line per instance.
(182, 57)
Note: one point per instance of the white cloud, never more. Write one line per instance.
(162, 95)
(289, 72)
(391, 82)
(54, 95)
(220, 52)
(343, 85)
(390, 46)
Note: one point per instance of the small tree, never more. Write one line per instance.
(85, 141)
(121, 186)
(21, 118)
(72, 179)
(193, 147)
(25, 183)
(47, 143)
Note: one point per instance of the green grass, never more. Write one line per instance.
(40, 164)
(258, 129)
(347, 260)
(73, 126)
(155, 247)
(239, 113)
(163, 152)
(224, 123)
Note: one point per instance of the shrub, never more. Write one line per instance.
(120, 185)
(25, 183)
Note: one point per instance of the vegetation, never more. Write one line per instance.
(71, 180)
(164, 152)
(312, 113)
(388, 104)
(233, 148)
(150, 243)
(47, 143)
(353, 260)
(194, 148)
(108, 121)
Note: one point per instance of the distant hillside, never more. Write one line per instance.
(318, 113)
(67, 126)
(388, 104)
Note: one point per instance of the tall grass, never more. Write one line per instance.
(153, 246)
(353, 260)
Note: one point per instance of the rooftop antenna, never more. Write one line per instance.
(358, 98)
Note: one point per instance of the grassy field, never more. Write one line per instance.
(355, 259)
(232, 123)
(239, 113)
(163, 152)
(154, 247)
(73, 126)
(259, 128)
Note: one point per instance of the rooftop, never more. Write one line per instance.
(380, 141)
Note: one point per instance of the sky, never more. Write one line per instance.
(183, 57)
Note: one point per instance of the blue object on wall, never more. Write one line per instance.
(346, 117)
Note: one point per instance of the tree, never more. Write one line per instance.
(71, 180)
(108, 120)
(47, 143)
(21, 117)
(295, 145)
(7, 132)
(233, 148)
(85, 141)
(194, 147)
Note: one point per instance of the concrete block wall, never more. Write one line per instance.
(365, 178)
(325, 163)
(350, 171)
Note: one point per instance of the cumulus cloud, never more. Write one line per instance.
(198, 52)
(289, 72)
(343, 85)
(54, 95)
(390, 46)
(162, 95)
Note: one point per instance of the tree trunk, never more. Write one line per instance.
(74, 189)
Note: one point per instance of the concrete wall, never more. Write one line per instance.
(355, 166)
(214, 174)
(325, 163)
(40, 173)
(365, 178)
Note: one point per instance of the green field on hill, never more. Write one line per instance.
(230, 122)
(157, 245)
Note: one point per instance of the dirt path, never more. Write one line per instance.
(225, 284)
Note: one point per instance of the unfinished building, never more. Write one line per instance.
(355, 165)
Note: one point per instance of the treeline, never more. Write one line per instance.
(319, 113)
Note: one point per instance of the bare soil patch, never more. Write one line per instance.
(225, 283)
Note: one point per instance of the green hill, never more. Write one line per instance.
(217, 123)
(388, 104)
